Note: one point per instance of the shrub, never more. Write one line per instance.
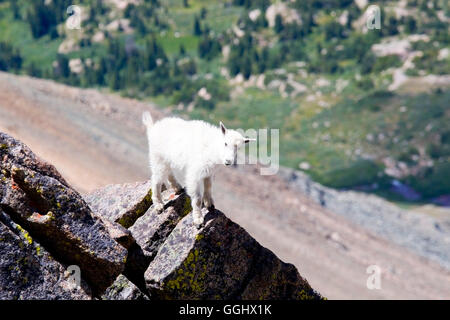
(408, 154)
(445, 137)
(359, 173)
(365, 84)
(10, 58)
(433, 182)
(383, 63)
(438, 151)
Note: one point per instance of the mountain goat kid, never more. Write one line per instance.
(185, 153)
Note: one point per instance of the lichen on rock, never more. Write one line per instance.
(32, 189)
(123, 289)
(123, 204)
(27, 270)
(220, 261)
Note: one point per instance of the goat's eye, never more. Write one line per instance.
(226, 144)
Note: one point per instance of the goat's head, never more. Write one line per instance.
(232, 141)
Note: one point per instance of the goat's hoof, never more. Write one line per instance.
(199, 225)
(178, 190)
(158, 207)
(198, 221)
(209, 207)
(208, 204)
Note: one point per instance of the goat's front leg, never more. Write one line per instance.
(207, 193)
(156, 194)
(193, 190)
(173, 184)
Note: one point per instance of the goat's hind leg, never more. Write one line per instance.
(159, 175)
(158, 204)
(207, 193)
(173, 183)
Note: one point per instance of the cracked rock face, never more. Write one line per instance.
(27, 271)
(150, 232)
(220, 261)
(35, 196)
(123, 289)
(172, 259)
(123, 204)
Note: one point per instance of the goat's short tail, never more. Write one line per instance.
(147, 119)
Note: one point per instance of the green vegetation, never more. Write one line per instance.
(309, 70)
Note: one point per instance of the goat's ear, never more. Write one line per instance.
(247, 140)
(222, 127)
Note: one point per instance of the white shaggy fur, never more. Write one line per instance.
(185, 153)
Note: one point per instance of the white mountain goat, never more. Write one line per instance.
(185, 153)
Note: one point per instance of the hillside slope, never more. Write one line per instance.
(95, 139)
(357, 108)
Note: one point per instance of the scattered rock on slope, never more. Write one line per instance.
(221, 261)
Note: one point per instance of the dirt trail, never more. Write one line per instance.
(95, 139)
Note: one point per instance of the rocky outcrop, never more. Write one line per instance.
(172, 259)
(124, 249)
(123, 289)
(220, 261)
(37, 198)
(27, 270)
(121, 203)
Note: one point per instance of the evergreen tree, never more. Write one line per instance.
(40, 19)
(62, 69)
(410, 25)
(114, 81)
(33, 71)
(182, 50)
(246, 67)
(278, 23)
(101, 72)
(15, 9)
(203, 13)
(208, 48)
(10, 58)
(392, 26)
(197, 27)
